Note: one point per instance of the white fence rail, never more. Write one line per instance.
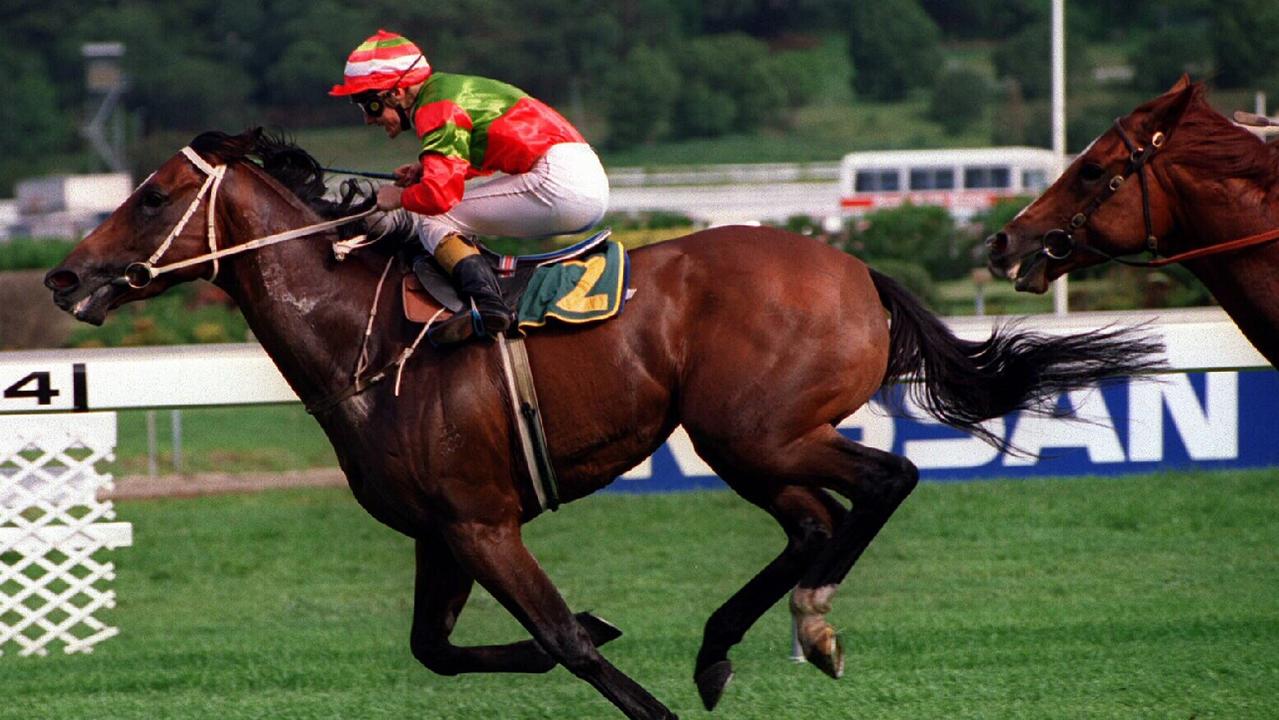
(242, 374)
(720, 174)
(53, 528)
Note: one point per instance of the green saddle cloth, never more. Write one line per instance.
(581, 290)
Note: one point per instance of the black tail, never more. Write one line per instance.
(963, 383)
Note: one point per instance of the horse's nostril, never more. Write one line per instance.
(997, 242)
(62, 280)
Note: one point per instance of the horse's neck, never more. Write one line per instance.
(1246, 282)
(308, 313)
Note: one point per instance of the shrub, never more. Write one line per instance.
(912, 275)
(1020, 122)
(1168, 52)
(728, 83)
(172, 318)
(959, 99)
(895, 47)
(33, 253)
(1003, 211)
(924, 235)
(649, 220)
(640, 98)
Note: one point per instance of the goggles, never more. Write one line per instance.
(371, 103)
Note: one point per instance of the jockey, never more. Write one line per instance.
(553, 183)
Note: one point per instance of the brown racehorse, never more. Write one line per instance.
(1175, 178)
(756, 340)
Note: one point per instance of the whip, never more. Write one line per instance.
(360, 173)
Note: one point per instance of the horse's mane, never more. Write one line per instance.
(292, 167)
(1206, 140)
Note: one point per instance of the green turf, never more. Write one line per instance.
(259, 438)
(1149, 597)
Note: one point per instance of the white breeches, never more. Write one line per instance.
(566, 191)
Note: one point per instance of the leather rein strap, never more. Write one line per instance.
(1260, 238)
(140, 274)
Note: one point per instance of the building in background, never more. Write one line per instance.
(66, 206)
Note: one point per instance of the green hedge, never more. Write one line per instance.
(181, 316)
(33, 253)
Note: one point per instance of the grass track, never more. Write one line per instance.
(1149, 597)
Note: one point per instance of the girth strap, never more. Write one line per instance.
(528, 421)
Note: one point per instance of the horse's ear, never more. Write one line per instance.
(1168, 108)
(1183, 83)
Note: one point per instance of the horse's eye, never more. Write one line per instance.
(153, 199)
(1091, 172)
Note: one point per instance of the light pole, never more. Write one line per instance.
(104, 78)
(1061, 298)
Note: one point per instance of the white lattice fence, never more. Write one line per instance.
(52, 529)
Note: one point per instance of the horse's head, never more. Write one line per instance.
(166, 219)
(1107, 204)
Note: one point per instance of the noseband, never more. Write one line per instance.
(1060, 243)
(138, 275)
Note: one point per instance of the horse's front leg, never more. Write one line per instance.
(441, 590)
(495, 556)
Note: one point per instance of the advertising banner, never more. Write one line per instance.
(1202, 420)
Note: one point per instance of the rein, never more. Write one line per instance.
(140, 274)
(1060, 243)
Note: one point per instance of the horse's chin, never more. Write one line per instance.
(93, 308)
(1032, 275)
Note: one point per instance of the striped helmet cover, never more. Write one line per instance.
(384, 61)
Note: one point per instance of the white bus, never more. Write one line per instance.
(963, 181)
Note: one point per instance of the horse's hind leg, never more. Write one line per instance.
(808, 517)
(441, 590)
(876, 482)
(496, 557)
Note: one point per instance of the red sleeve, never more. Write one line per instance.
(441, 188)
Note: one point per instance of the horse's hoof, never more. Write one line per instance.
(600, 630)
(827, 654)
(712, 681)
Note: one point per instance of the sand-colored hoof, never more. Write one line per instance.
(827, 653)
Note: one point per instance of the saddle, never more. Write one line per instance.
(584, 282)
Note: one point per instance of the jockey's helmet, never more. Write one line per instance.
(384, 61)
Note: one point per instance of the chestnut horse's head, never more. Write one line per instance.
(1108, 203)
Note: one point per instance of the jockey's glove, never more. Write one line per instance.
(396, 224)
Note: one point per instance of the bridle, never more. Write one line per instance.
(1060, 243)
(138, 275)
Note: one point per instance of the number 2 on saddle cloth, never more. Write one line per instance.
(583, 283)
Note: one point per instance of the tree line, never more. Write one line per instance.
(653, 70)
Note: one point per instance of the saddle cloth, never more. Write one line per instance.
(584, 283)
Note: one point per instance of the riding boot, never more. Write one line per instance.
(476, 281)
(487, 314)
